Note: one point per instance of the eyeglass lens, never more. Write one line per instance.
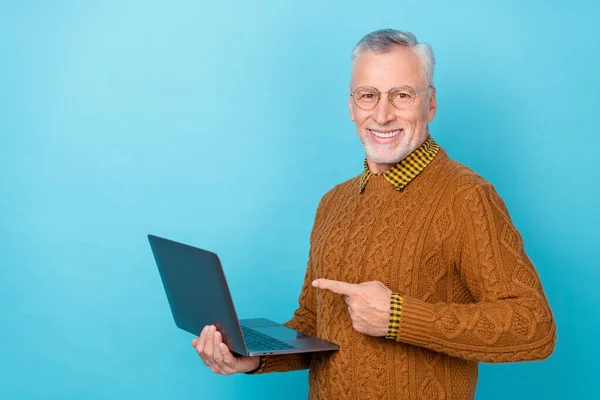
(368, 97)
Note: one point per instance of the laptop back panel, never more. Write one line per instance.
(197, 290)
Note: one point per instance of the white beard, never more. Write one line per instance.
(386, 154)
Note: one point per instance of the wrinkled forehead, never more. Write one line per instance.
(400, 66)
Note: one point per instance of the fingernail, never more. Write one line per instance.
(205, 329)
(315, 283)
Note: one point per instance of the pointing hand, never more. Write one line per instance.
(368, 304)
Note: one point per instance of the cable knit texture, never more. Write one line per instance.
(470, 293)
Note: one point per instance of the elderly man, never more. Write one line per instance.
(415, 268)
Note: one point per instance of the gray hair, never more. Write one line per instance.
(383, 40)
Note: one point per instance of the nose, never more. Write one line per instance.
(384, 111)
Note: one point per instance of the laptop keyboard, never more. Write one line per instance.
(258, 341)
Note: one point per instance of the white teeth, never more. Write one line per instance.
(386, 135)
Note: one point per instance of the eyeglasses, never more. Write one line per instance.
(367, 97)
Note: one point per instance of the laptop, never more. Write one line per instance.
(198, 295)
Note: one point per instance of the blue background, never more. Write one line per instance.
(221, 124)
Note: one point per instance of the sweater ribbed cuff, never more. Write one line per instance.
(286, 362)
(417, 319)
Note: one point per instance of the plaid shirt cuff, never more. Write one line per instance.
(395, 314)
(260, 368)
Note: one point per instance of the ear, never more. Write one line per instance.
(432, 105)
(350, 107)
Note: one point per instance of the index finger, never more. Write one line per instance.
(338, 287)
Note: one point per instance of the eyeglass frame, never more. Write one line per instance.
(389, 98)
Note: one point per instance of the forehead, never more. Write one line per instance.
(400, 66)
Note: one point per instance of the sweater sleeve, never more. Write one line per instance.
(510, 319)
(304, 318)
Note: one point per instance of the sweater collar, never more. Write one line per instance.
(407, 169)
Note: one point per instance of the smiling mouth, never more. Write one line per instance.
(385, 134)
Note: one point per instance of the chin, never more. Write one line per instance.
(388, 158)
(391, 154)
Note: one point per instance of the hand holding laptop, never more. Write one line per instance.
(199, 299)
(216, 355)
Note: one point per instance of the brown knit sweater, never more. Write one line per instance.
(447, 245)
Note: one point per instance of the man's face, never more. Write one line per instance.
(388, 134)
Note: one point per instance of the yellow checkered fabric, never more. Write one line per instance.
(406, 170)
(395, 314)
